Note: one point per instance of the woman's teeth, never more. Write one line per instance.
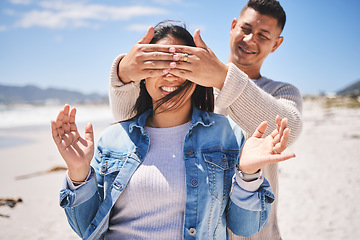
(169, 89)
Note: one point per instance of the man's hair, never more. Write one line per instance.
(202, 98)
(270, 8)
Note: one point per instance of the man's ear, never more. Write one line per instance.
(233, 24)
(277, 43)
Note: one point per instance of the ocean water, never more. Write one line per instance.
(30, 115)
(22, 118)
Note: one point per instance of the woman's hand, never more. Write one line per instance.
(259, 152)
(75, 150)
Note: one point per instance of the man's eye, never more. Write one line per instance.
(246, 30)
(263, 37)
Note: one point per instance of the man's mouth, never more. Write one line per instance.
(244, 50)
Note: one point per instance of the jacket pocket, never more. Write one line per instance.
(220, 169)
(112, 163)
(110, 166)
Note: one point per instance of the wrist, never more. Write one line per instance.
(122, 77)
(247, 176)
(220, 83)
(78, 175)
(120, 72)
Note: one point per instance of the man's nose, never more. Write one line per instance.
(249, 37)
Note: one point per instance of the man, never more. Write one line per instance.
(242, 92)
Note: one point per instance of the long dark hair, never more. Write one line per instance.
(202, 98)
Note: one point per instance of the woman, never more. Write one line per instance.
(168, 173)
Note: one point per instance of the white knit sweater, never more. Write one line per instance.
(248, 102)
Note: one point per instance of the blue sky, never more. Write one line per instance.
(71, 44)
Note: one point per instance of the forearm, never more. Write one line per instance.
(249, 105)
(122, 97)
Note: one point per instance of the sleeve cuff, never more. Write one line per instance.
(83, 192)
(71, 184)
(115, 81)
(251, 200)
(251, 186)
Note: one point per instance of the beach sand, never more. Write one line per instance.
(318, 195)
(319, 189)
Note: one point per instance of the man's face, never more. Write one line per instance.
(252, 37)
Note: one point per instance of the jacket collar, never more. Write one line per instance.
(201, 117)
(198, 117)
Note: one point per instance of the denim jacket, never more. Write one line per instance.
(214, 201)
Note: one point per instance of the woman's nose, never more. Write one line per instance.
(170, 77)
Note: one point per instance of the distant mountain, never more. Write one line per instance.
(353, 89)
(35, 95)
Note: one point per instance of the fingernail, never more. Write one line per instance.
(176, 57)
(173, 64)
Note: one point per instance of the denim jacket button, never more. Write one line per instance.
(192, 231)
(104, 167)
(194, 182)
(118, 185)
(189, 152)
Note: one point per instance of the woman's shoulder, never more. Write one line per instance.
(217, 117)
(221, 130)
(114, 131)
(222, 121)
(116, 138)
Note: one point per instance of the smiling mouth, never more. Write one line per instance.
(168, 89)
(245, 50)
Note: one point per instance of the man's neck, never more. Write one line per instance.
(251, 74)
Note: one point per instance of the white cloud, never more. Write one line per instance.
(9, 12)
(24, 2)
(64, 14)
(3, 28)
(168, 2)
(138, 27)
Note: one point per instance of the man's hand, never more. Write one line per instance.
(151, 60)
(202, 66)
